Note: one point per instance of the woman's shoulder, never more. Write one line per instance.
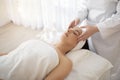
(62, 57)
(65, 60)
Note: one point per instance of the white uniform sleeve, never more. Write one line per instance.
(110, 25)
(83, 11)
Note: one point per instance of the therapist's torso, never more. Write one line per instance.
(98, 11)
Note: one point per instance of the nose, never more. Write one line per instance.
(69, 31)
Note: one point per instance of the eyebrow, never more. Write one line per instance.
(78, 33)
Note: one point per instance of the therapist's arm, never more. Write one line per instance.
(61, 71)
(111, 25)
(89, 31)
(106, 28)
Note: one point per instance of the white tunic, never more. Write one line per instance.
(32, 60)
(105, 14)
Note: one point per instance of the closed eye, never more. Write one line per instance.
(74, 33)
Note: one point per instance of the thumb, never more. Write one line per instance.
(76, 22)
(84, 29)
(71, 24)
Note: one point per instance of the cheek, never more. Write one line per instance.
(73, 40)
(63, 38)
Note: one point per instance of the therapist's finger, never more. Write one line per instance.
(82, 37)
(72, 24)
(77, 21)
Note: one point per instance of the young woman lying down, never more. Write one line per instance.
(38, 60)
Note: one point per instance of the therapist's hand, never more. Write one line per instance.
(90, 30)
(74, 23)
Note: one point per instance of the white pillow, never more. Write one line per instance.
(87, 65)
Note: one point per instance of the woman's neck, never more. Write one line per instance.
(62, 48)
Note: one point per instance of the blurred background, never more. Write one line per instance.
(39, 14)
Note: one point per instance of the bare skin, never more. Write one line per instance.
(90, 30)
(74, 23)
(61, 70)
(2, 54)
(69, 41)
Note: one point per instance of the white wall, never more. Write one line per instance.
(3, 13)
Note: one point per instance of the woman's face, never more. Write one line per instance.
(70, 36)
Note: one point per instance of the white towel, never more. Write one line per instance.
(32, 60)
